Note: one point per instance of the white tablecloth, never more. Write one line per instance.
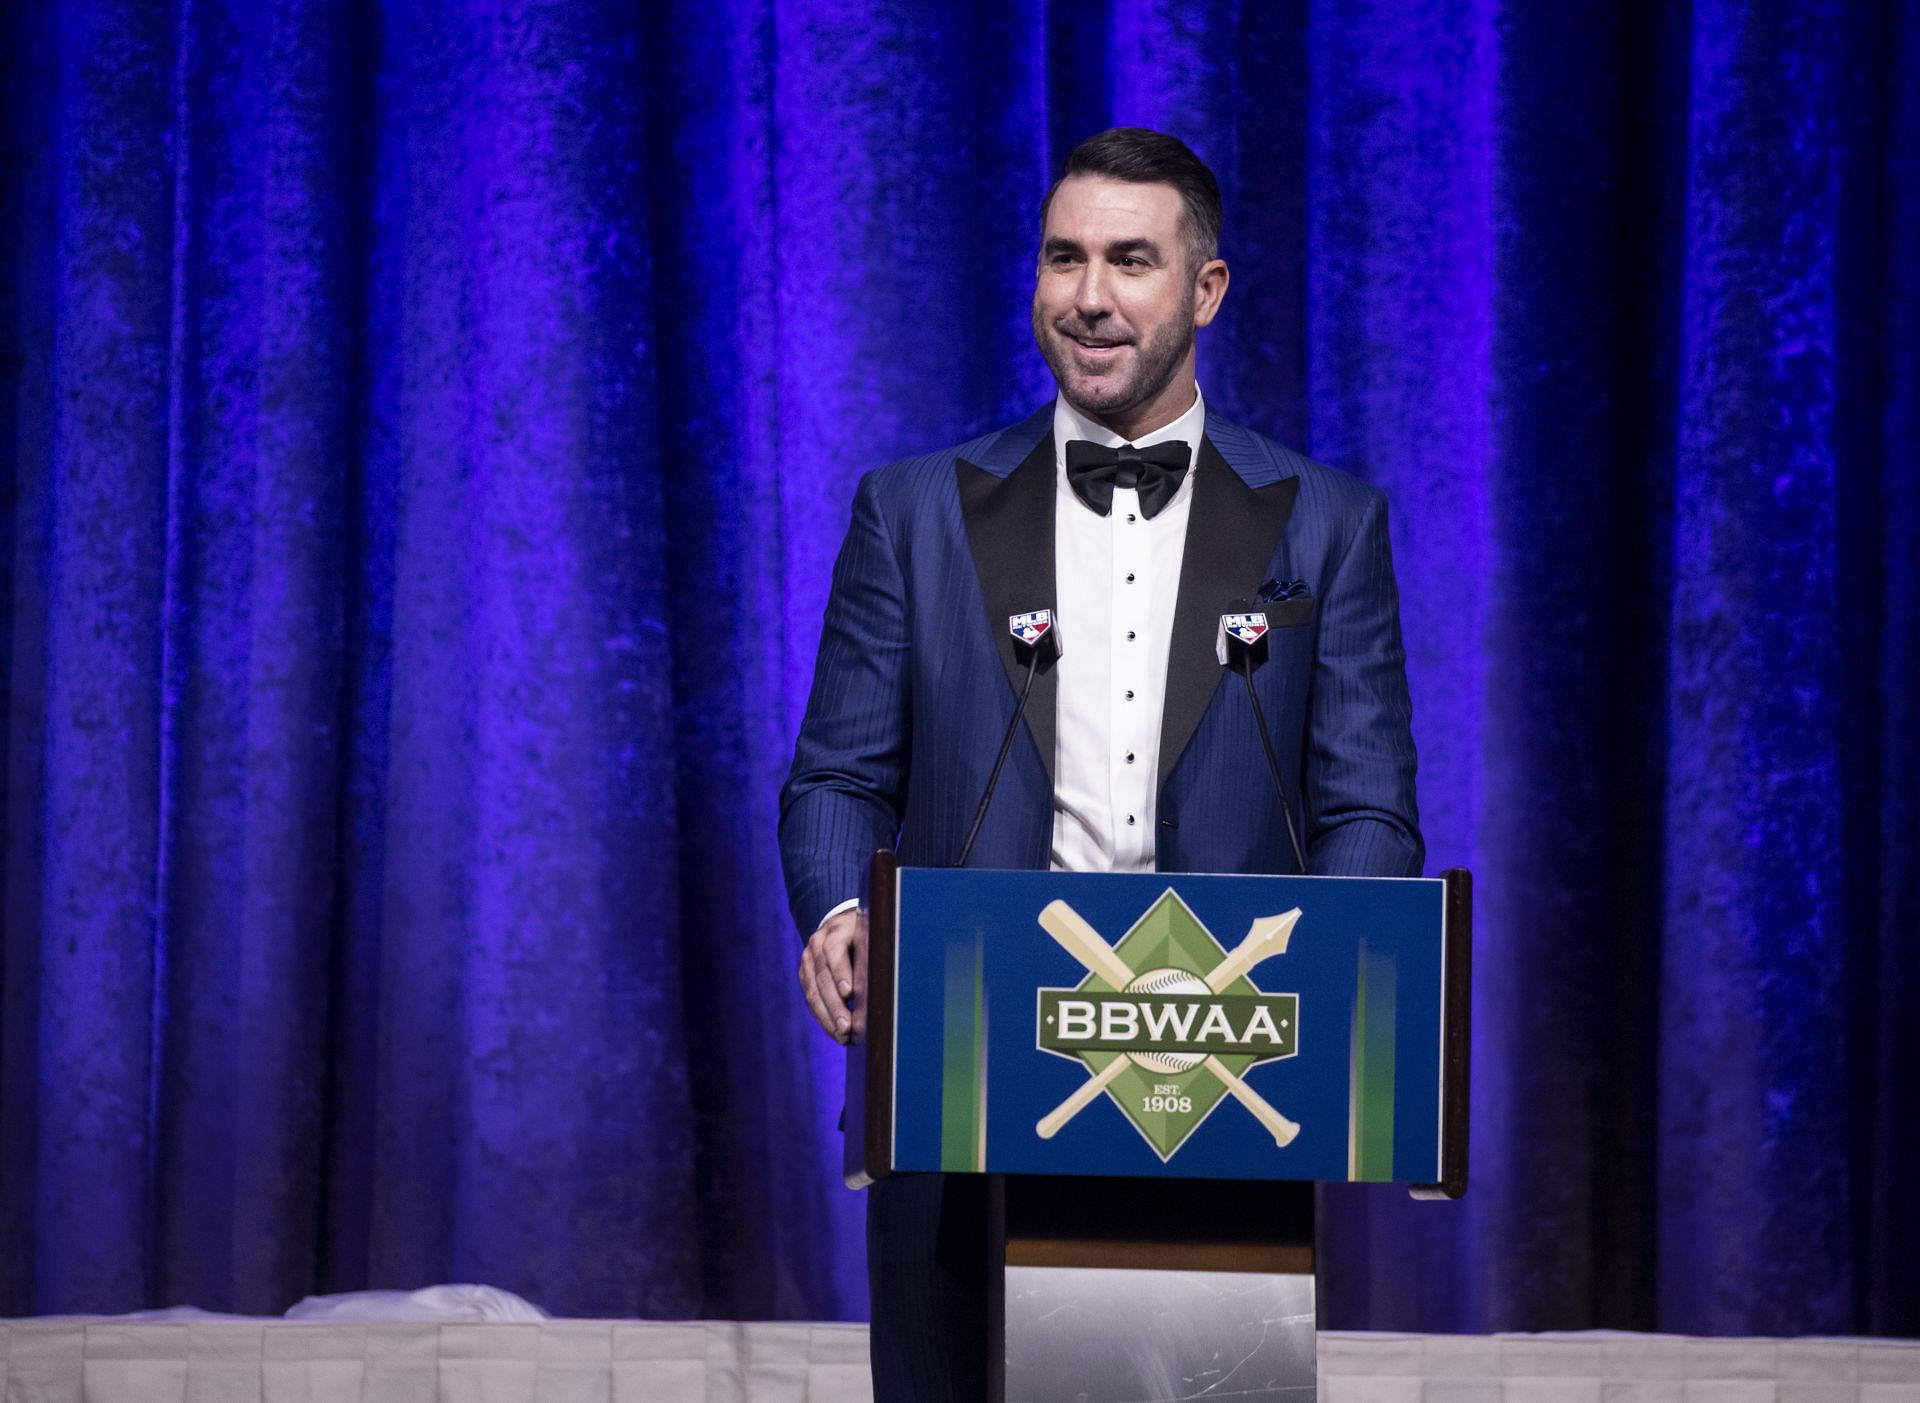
(585, 1361)
(1607, 1367)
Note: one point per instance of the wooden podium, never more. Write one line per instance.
(1154, 1070)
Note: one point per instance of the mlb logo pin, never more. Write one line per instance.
(1246, 629)
(1032, 627)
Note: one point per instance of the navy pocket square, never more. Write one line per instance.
(1288, 603)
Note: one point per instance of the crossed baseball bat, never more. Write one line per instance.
(1267, 936)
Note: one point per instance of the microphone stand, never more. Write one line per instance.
(1006, 744)
(1273, 765)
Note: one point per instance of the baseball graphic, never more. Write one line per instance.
(1167, 981)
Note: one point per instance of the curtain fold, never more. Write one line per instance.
(1753, 1030)
(428, 431)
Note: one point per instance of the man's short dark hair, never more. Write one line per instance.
(1143, 157)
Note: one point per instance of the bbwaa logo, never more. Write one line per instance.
(1247, 628)
(1167, 1021)
(1031, 628)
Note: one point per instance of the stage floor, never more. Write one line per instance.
(224, 1360)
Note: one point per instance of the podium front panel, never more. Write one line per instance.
(1072, 1023)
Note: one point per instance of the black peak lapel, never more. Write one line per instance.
(1010, 532)
(1232, 533)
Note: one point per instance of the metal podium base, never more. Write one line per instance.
(1148, 1291)
(1117, 1335)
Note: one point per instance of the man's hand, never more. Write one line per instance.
(833, 976)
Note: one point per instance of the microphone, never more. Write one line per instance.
(1036, 642)
(1243, 647)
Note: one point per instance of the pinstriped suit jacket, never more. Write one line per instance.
(916, 677)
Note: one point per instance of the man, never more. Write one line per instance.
(1138, 516)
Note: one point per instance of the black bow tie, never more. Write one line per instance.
(1094, 470)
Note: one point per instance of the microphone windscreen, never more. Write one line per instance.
(1035, 632)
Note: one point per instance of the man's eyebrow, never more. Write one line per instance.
(1119, 248)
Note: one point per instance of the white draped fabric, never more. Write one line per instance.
(1609, 1367)
(224, 1360)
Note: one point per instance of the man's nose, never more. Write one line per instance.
(1090, 295)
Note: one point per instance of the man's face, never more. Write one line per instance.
(1115, 303)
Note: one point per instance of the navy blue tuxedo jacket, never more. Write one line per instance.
(916, 677)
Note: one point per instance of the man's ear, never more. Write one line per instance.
(1209, 290)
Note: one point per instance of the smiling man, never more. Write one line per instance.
(1128, 271)
(1138, 516)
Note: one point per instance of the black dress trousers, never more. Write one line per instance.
(928, 1283)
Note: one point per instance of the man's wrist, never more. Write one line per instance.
(852, 903)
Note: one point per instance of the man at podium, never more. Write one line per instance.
(1133, 517)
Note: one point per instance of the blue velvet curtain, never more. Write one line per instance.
(427, 430)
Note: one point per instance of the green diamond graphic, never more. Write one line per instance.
(1167, 1093)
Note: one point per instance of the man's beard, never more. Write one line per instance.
(1156, 361)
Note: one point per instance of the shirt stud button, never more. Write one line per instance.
(1129, 577)
(1129, 635)
(1129, 694)
(1131, 518)
(1129, 820)
(1129, 757)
